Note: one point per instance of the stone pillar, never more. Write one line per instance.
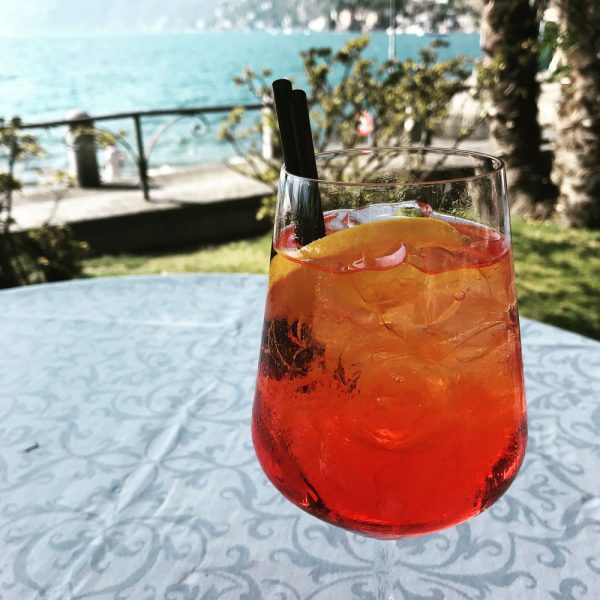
(83, 162)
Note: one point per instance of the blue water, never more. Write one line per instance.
(44, 78)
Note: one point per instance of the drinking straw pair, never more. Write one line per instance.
(299, 157)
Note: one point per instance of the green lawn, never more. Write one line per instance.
(246, 256)
(558, 275)
(558, 271)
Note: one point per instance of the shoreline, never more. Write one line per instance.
(463, 111)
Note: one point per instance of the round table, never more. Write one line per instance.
(127, 470)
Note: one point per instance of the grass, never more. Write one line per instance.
(246, 256)
(558, 270)
(558, 275)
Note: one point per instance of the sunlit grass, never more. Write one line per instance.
(558, 275)
(246, 256)
(558, 270)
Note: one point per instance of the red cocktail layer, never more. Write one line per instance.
(390, 394)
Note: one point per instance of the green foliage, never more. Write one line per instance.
(506, 66)
(408, 99)
(243, 256)
(103, 137)
(15, 144)
(548, 44)
(50, 253)
(8, 183)
(558, 275)
(44, 254)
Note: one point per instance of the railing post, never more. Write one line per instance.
(81, 141)
(142, 163)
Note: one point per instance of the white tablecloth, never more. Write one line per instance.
(127, 470)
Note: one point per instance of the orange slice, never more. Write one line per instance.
(377, 245)
(281, 267)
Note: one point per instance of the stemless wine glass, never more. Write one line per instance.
(389, 398)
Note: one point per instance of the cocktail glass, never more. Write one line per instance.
(389, 398)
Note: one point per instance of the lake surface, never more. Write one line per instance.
(45, 78)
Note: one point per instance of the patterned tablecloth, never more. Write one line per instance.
(127, 470)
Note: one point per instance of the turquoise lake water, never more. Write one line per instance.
(44, 78)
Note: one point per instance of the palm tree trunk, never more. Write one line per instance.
(577, 148)
(509, 39)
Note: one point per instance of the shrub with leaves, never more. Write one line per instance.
(408, 100)
(49, 253)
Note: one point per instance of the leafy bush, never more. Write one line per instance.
(50, 253)
(408, 100)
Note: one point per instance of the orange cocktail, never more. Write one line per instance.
(389, 397)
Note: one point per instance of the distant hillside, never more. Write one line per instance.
(35, 17)
(60, 17)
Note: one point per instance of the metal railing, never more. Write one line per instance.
(143, 152)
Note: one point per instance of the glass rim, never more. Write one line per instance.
(499, 167)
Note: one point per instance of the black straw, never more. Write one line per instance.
(282, 93)
(310, 224)
(299, 156)
(305, 150)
